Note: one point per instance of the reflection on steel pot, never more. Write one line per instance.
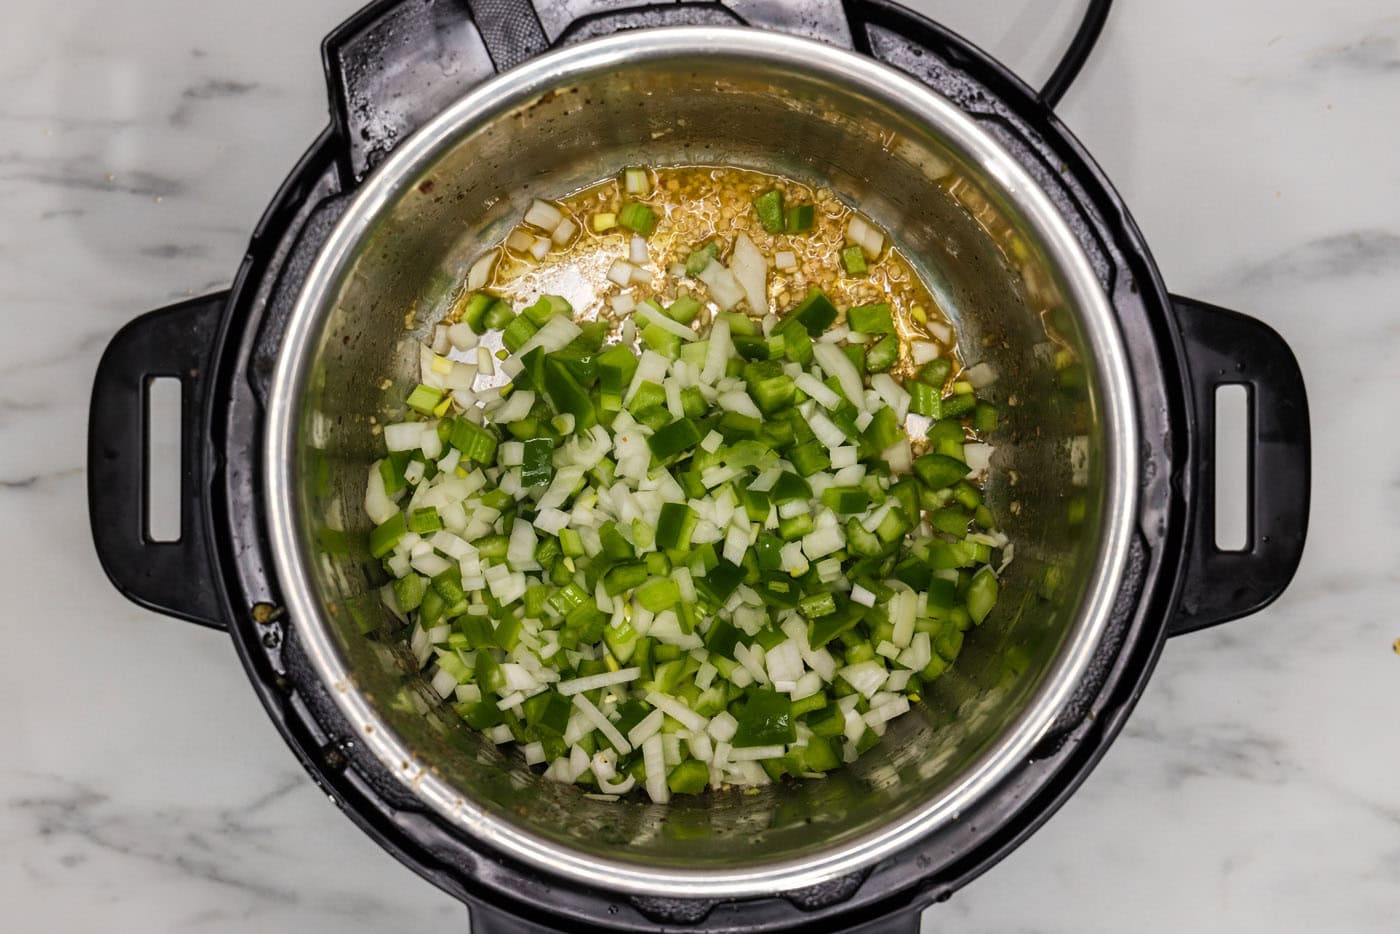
(1099, 485)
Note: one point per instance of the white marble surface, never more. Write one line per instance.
(1257, 788)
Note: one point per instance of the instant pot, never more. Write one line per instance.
(448, 118)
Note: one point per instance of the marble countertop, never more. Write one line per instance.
(1256, 788)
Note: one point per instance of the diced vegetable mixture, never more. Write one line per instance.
(690, 545)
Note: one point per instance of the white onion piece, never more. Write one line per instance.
(565, 231)
(754, 753)
(824, 394)
(724, 288)
(543, 214)
(980, 376)
(720, 350)
(646, 727)
(923, 352)
(833, 360)
(520, 240)
(558, 332)
(978, 456)
(750, 270)
(654, 760)
(617, 788)
(516, 407)
(637, 251)
(866, 677)
(601, 723)
(378, 506)
(900, 456)
(648, 313)
(893, 394)
(621, 272)
(403, 436)
(461, 337)
(481, 270)
(592, 682)
(677, 711)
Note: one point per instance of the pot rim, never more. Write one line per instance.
(394, 177)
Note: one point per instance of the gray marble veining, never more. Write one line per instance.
(1254, 790)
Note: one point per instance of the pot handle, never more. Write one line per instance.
(486, 919)
(1224, 348)
(175, 578)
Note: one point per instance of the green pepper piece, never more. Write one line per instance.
(936, 372)
(498, 315)
(720, 581)
(939, 471)
(800, 218)
(637, 217)
(816, 312)
(546, 307)
(982, 594)
(696, 262)
(809, 458)
(722, 638)
(844, 500)
(688, 778)
(679, 436)
(424, 520)
(684, 308)
(769, 207)
(408, 591)
(567, 395)
(958, 404)
(882, 354)
(478, 303)
(659, 594)
(674, 525)
(822, 630)
(789, 487)
(773, 393)
(817, 605)
(871, 319)
(736, 427)
(853, 260)
(423, 399)
(475, 442)
(538, 464)
(766, 720)
(616, 367)
(751, 347)
(624, 577)
(383, 537)
(924, 399)
(984, 417)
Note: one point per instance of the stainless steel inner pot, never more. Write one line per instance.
(997, 255)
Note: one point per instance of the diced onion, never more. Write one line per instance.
(543, 214)
(751, 272)
(481, 270)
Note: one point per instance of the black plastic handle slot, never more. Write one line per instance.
(1225, 348)
(171, 577)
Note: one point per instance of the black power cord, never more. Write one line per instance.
(1078, 52)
